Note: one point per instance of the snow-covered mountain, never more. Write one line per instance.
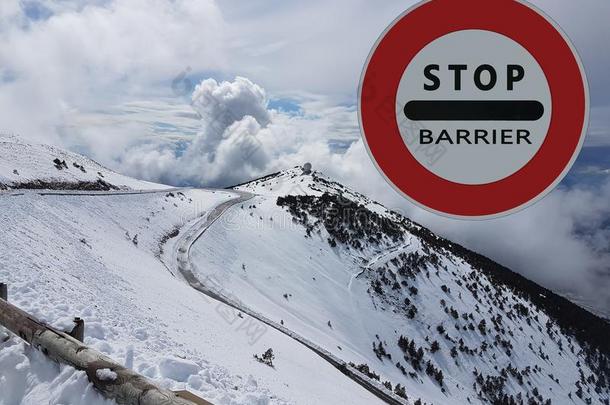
(310, 263)
(416, 311)
(104, 256)
(25, 165)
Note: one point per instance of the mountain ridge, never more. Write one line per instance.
(540, 294)
(429, 319)
(327, 213)
(26, 165)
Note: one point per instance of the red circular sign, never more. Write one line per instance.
(392, 56)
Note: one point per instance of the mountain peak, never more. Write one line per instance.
(292, 181)
(298, 182)
(406, 306)
(28, 165)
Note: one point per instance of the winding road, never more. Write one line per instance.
(180, 260)
(185, 266)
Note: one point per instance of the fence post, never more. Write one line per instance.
(78, 332)
(4, 291)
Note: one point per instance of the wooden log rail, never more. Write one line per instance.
(127, 388)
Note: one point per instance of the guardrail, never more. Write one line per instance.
(127, 387)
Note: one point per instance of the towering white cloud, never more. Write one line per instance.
(232, 114)
(240, 138)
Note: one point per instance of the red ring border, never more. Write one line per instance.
(431, 20)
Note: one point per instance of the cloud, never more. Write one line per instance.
(240, 138)
(561, 242)
(599, 126)
(222, 107)
(88, 55)
(317, 45)
(585, 24)
(226, 148)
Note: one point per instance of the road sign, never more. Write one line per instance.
(473, 109)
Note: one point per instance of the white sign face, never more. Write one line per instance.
(479, 96)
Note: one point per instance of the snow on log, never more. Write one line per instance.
(125, 386)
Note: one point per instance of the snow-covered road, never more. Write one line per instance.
(185, 266)
(80, 248)
(95, 255)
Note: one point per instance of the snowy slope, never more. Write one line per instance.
(98, 256)
(27, 165)
(351, 276)
(28, 377)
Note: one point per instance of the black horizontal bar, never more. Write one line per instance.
(470, 110)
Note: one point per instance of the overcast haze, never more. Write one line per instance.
(139, 85)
